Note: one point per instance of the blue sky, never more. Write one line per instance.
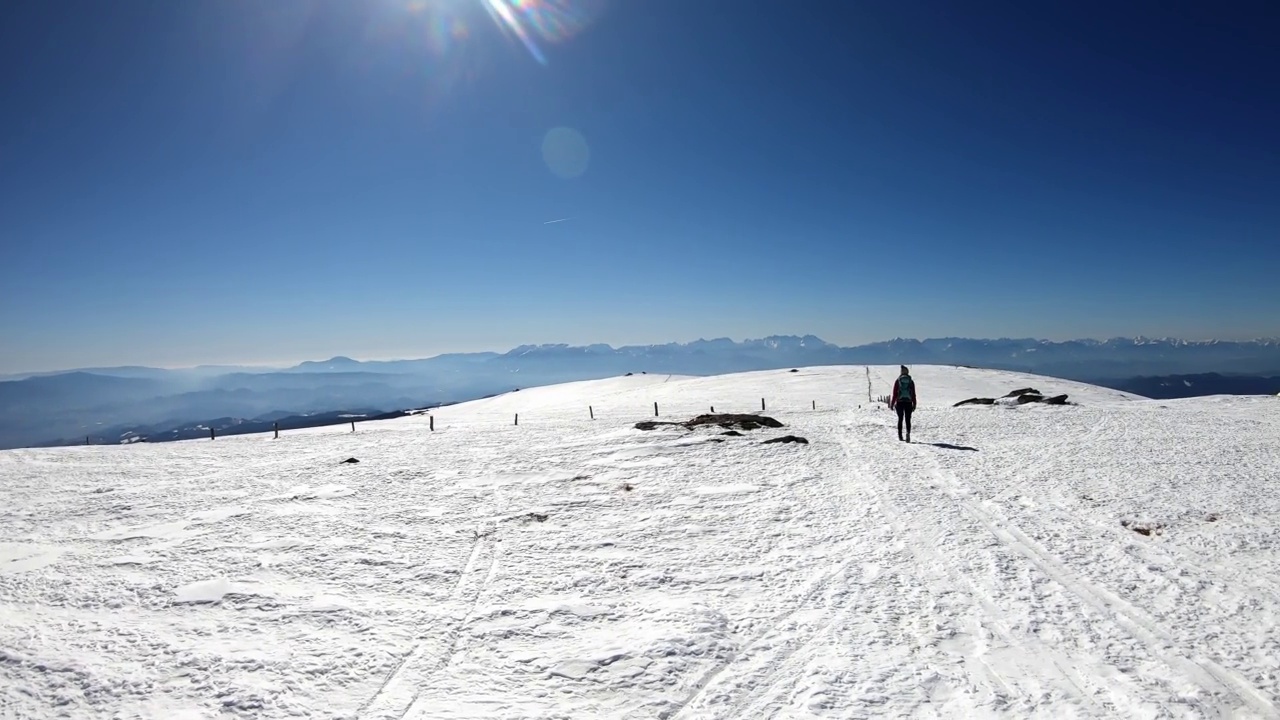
(247, 181)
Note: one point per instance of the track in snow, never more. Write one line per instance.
(990, 664)
(401, 689)
(1232, 691)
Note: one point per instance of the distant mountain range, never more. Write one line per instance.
(57, 408)
(1169, 387)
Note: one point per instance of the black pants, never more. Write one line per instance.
(904, 413)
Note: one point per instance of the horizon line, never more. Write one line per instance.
(287, 365)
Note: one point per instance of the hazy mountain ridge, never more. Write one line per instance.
(1170, 387)
(73, 404)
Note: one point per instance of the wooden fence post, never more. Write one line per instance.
(432, 420)
(815, 404)
(212, 436)
(353, 426)
(761, 404)
(276, 425)
(713, 409)
(592, 411)
(655, 409)
(517, 418)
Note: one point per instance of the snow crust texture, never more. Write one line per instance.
(1118, 558)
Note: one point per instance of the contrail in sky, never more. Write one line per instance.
(552, 222)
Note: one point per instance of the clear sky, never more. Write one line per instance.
(215, 181)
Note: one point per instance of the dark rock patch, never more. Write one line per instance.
(727, 421)
(654, 424)
(1146, 529)
(628, 487)
(1022, 396)
(732, 421)
(349, 461)
(794, 370)
(532, 517)
(1055, 400)
(731, 433)
(786, 439)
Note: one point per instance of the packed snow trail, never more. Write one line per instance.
(576, 568)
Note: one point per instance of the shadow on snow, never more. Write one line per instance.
(949, 446)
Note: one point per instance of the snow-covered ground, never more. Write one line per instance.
(575, 568)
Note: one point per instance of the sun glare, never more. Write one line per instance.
(442, 45)
(532, 23)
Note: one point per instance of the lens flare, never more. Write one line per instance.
(552, 21)
(507, 19)
(445, 43)
(565, 152)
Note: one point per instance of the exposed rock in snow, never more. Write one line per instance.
(786, 439)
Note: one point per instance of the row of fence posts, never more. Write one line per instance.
(591, 412)
(431, 419)
(275, 426)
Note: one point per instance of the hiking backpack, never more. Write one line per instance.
(906, 388)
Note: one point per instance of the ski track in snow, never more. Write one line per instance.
(575, 568)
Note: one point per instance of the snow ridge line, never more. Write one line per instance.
(1124, 614)
(393, 699)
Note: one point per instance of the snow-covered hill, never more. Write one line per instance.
(1117, 558)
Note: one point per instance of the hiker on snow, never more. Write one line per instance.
(904, 400)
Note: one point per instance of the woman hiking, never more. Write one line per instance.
(904, 400)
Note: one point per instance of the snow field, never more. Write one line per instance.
(570, 568)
